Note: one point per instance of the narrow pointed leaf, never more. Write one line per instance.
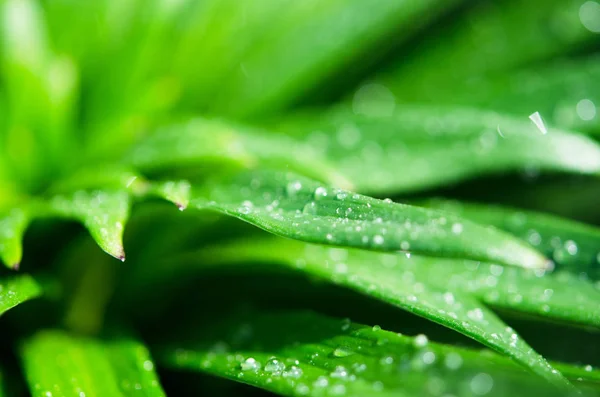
(104, 214)
(417, 147)
(12, 229)
(296, 207)
(490, 38)
(16, 290)
(565, 93)
(297, 50)
(573, 246)
(206, 143)
(87, 367)
(302, 353)
(561, 296)
(383, 278)
(177, 192)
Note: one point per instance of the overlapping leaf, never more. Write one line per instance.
(565, 93)
(416, 147)
(302, 353)
(310, 41)
(293, 206)
(572, 245)
(16, 290)
(491, 38)
(445, 291)
(58, 364)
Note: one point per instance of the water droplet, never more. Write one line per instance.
(148, 365)
(571, 247)
(294, 372)
(274, 366)
(534, 237)
(302, 389)
(310, 208)
(320, 193)
(342, 352)
(293, 188)
(428, 357)
(250, 364)
(346, 324)
(475, 314)
(589, 15)
(421, 340)
(449, 298)
(340, 372)
(482, 384)
(376, 328)
(338, 390)
(378, 239)
(322, 381)
(388, 360)
(586, 110)
(341, 268)
(453, 361)
(588, 368)
(457, 228)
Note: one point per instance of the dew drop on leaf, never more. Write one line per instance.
(275, 366)
(250, 364)
(421, 340)
(293, 372)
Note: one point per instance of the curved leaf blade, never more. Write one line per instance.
(303, 353)
(560, 296)
(490, 38)
(566, 93)
(12, 228)
(202, 142)
(292, 56)
(87, 367)
(572, 245)
(104, 214)
(414, 288)
(16, 290)
(415, 147)
(289, 205)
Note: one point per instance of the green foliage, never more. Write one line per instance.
(300, 353)
(232, 110)
(121, 367)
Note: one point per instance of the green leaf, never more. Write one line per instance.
(573, 246)
(208, 143)
(565, 93)
(561, 296)
(81, 366)
(40, 89)
(490, 38)
(16, 290)
(442, 291)
(303, 353)
(293, 206)
(104, 214)
(416, 147)
(12, 229)
(303, 44)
